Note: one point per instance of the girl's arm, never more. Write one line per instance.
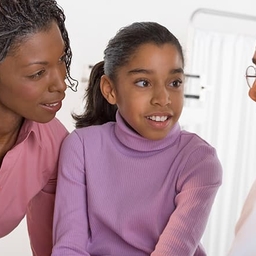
(70, 225)
(197, 187)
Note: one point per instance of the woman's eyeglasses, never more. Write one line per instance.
(250, 75)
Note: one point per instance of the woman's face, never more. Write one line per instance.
(252, 91)
(149, 90)
(32, 78)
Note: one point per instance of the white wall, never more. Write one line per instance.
(91, 24)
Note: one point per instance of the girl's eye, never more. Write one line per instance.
(176, 83)
(142, 83)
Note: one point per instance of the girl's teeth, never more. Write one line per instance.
(158, 118)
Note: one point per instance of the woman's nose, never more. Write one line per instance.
(58, 80)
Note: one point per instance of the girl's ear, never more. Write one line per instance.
(107, 89)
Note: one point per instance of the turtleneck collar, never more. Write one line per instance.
(133, 140)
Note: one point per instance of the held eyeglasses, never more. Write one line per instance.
(250, 75)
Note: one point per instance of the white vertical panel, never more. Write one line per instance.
(230, 123)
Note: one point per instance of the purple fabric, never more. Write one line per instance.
(121, 194)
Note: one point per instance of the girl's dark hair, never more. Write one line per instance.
(117, 54)
(21, 18)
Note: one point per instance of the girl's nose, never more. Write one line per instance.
(161, 97)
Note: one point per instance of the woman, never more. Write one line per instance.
(35, 59)
(244, 241)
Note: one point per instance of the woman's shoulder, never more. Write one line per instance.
(53, 130)
(55, 125)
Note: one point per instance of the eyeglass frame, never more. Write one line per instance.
(250, 76)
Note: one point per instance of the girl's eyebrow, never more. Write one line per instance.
(177, 70)
(148, 71)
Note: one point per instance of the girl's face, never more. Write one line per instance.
(32, 78)
(149, 90)
(252, 91)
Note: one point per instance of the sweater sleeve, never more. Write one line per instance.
(196, 190)
(70, 225)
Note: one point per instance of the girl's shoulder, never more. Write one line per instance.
(56, 126)
(194, 141)
(94, 132)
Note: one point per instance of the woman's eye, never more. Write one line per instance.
(37, 75)
(142, 83)
(63, 58)
(176, 83)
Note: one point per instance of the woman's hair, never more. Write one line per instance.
(21, 18)
(117, 54)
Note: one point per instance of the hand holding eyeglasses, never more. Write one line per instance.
(250, 75)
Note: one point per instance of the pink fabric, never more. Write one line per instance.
(28, 182)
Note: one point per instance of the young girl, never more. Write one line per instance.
(35, 59)
(131, 182)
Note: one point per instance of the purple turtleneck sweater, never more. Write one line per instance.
(120, 194)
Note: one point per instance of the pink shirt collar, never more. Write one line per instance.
(29, 127)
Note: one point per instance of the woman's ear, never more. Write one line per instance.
(107, 89)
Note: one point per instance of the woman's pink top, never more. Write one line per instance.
(28, 182)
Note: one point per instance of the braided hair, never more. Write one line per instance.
(21, 18)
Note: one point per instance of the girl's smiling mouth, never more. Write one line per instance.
(158, 118)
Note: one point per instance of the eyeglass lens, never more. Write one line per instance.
(250, 75)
